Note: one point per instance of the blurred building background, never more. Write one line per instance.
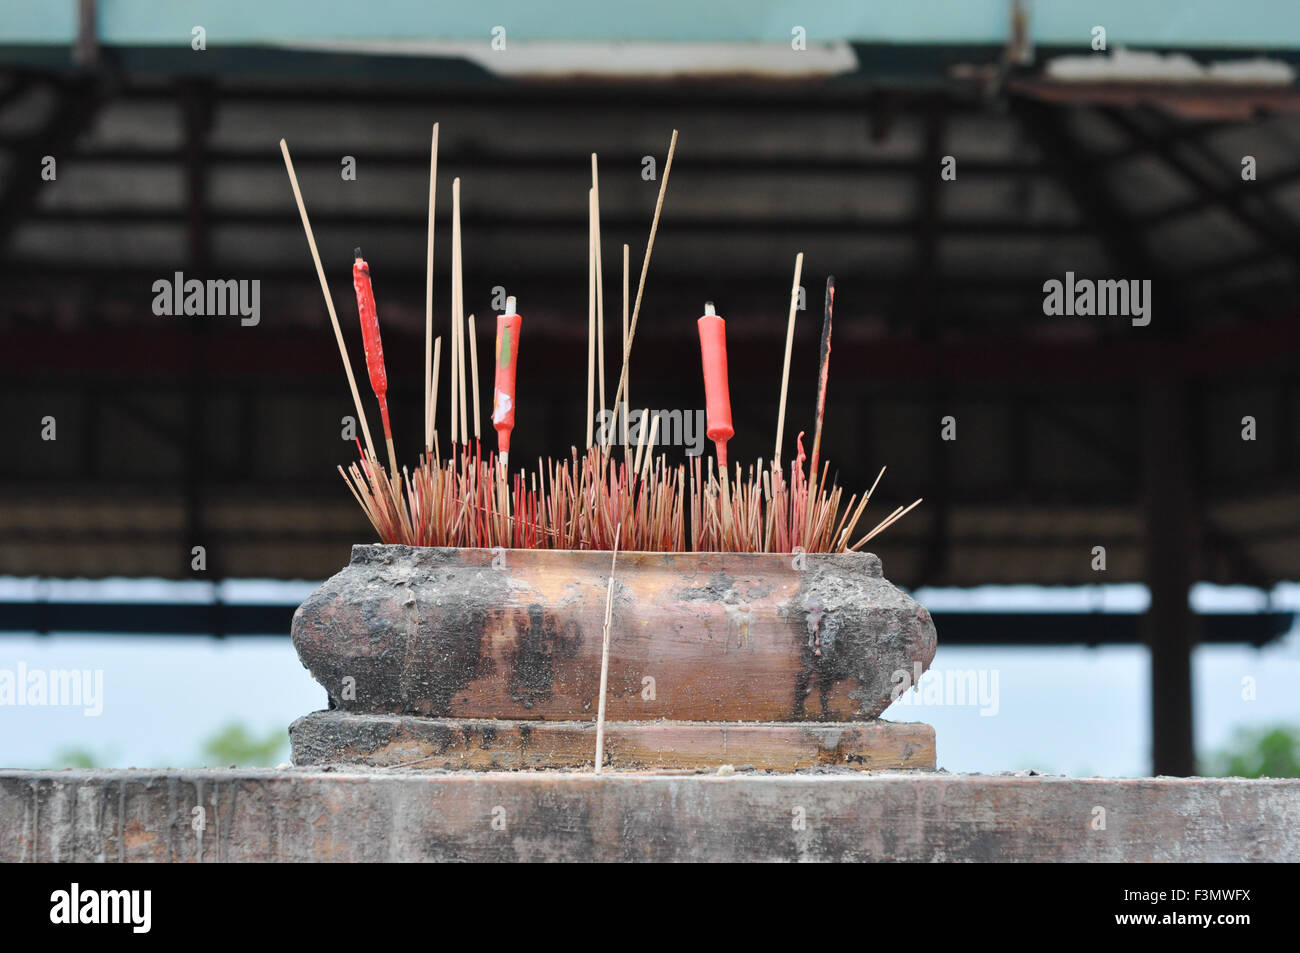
(1171, 156)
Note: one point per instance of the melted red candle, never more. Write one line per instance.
(370, 335)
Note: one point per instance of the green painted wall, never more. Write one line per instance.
(1164, 23)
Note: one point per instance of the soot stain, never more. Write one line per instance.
(455, 638)
(539, 641)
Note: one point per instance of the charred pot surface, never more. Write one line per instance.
(401, 628)
(858, 627)
(468, 633)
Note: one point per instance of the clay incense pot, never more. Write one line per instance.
(516, 634)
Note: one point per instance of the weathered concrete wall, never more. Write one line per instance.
(302, 814)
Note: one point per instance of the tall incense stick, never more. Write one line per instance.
(329, 301)
(433, 392)
(464, 385)
(473, 366)
(453, 363)
(604, 652)
(823, 378)
(455, 304)
(600, 295)
(591, 313)
(823, 374)
(458, 283)
(627, 390)
(429, 385)
(645, 268)
(789, 345)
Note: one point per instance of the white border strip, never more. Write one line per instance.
(547, 59)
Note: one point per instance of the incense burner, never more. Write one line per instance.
(694, 637)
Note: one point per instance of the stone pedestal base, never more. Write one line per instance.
(335, 737)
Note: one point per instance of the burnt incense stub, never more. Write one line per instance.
(516, 634)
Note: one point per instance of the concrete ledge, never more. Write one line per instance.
(309, 815)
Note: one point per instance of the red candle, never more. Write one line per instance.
(370, 335)
(374, 348)
(713, 351)
(503, 389)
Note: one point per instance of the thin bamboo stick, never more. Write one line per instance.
(885, 524)
(823, 374)
(604, 653)
(645, 269)
(429, 386)
(433, 392)
(473, 366)
(600, 293)
(329, 301)
(627, 389)
(823, 379)
(789, 345)
(460, 313)
(456, 435)
(591, 313)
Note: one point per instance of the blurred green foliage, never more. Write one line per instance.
(236, 745)
(1258, 753)
(75, 758)
(233, 745)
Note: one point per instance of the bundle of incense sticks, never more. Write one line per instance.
(581, 501)
(589, 500)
